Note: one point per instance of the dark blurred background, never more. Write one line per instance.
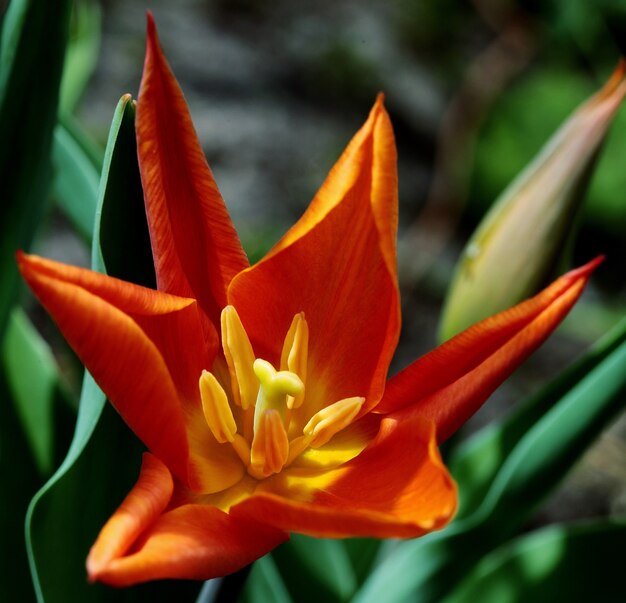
(474, 88)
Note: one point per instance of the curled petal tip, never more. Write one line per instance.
(380, 99)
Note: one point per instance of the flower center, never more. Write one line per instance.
(263, 399)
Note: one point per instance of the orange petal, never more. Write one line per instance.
(126, 336)
(448, 385)
(396, 488)
(140, 509)
(337, 264)
(195, 246)
(140, 542)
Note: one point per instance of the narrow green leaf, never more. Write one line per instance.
(19, 480)
(265, 584)
(121, 244)
(82, 53)
(76, 181)
(103, 461)
(475, 462)
(32, 49)
(32, 378)
(550, 448)
(322, 564)
(576, 563)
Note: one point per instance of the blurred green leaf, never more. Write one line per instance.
(82, 53)
(576, 563)
(265, 584)
(32, 48)
(76, 181)
(104, 458)
(476, 461)
(32, 378)
(315, 568)
(363, 553)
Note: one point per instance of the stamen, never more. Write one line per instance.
(219, 416)
(217, 412)
(270, 446)
(324, 424)
(274, 389)
(239, 357)
(295, 353)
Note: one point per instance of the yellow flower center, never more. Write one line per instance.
(264, 398)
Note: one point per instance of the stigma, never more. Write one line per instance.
(252, 412)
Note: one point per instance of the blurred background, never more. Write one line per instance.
(474, 89)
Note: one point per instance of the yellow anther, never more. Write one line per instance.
(239, 357)
(270, 446)
(217, 412)
(331, 420)
(274, 389)
(295, 353)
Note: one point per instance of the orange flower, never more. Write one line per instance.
(260, 391)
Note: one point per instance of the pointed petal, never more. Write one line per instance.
(337, 265)
(197, 542)
(396, 488)
(195, 246)
(145, 350)
(448, 385)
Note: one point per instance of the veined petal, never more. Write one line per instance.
(195, 246)
(145, 350)
(397, 487)
(198, 542)
(448, 385)
(337, 265)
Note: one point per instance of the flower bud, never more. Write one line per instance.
(522, 237)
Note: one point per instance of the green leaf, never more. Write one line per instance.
(121, 238)
(320, 562)
(32, 49)
(76, 181)
(32, 379)
(476, 461)
(550, 448)
(19, 480)
(82, 53)
(576, 563)
(103, 461)
(265, 584)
